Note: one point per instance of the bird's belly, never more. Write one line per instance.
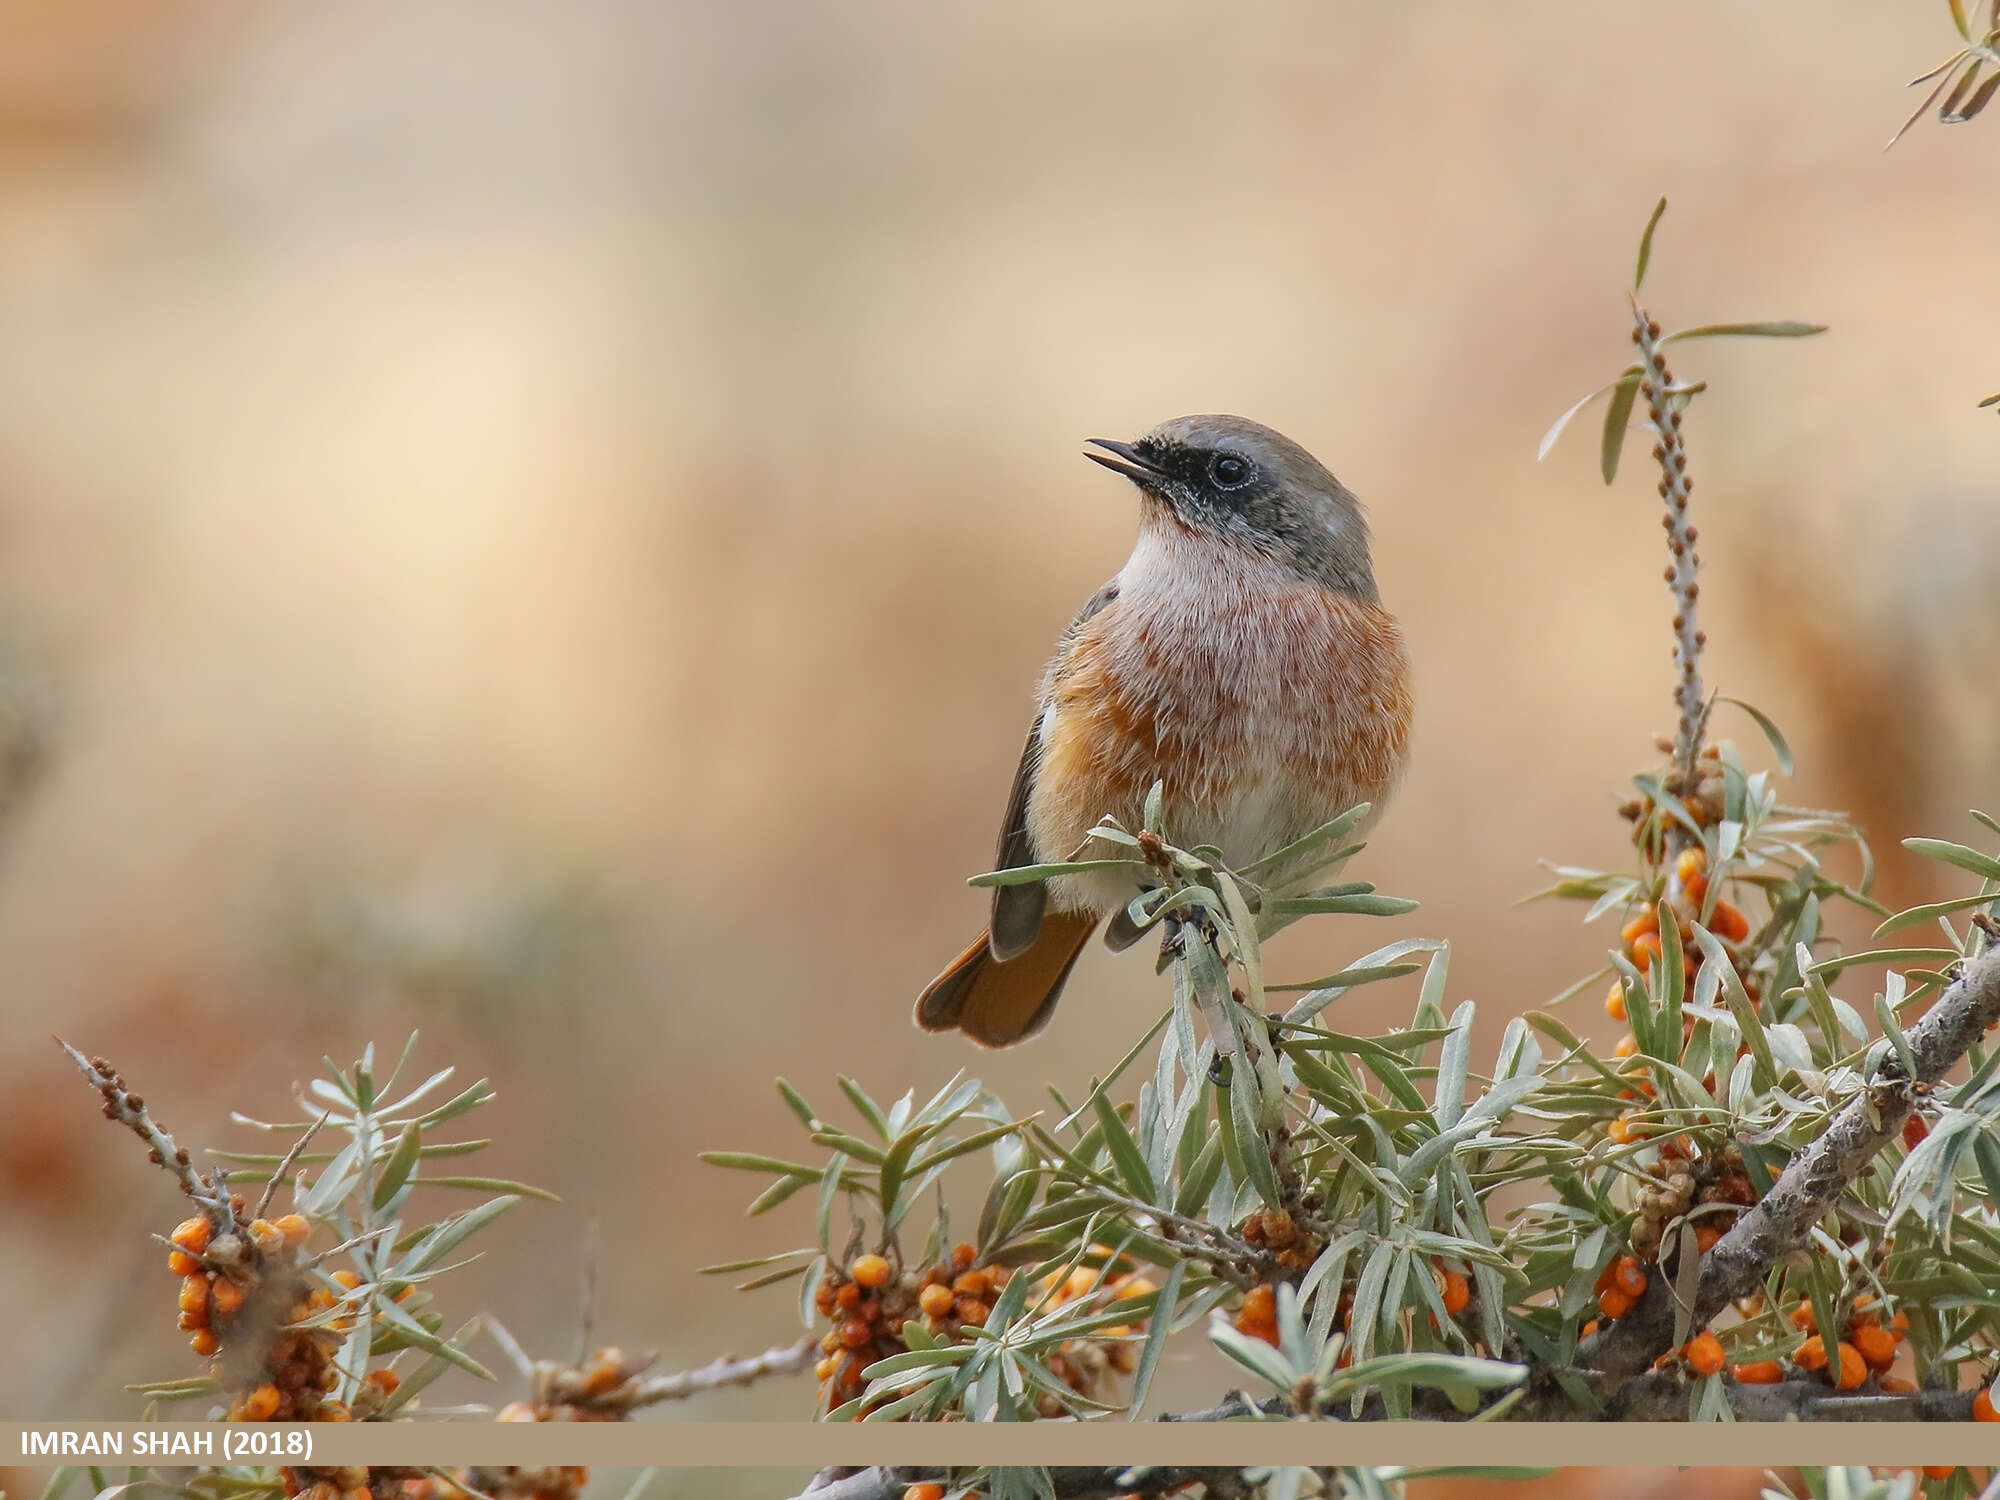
(1262, 720)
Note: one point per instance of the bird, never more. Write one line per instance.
(1241, 658)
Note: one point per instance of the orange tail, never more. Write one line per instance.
(998, 1004)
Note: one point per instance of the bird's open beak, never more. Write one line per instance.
(1128, 461)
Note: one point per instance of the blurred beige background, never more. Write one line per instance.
(540, 524)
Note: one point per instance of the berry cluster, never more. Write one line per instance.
(604, 1388)
(1686, 1177)
(1091, 1366)
(868, 1303)
(1704, 800)
(1275, 1231)
(242, 1289)
(1687, 892)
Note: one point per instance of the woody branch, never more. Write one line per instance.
(1779, 1223)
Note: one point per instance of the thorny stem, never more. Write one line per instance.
(1656, 384)
(1817, 1174)
(726, 1371)
(128, 1109)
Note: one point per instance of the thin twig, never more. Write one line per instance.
(128, 1109)
(290, 1161)
(727, 1371)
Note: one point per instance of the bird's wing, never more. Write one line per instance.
(1017, 909)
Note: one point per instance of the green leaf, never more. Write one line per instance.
(750, 1161)
(1556, 428)
(1125, 1152)
(1779, 330)
(1617, 416)
(1918, 915)
(1958, 18)
(1029, 874)
(1156, 1338)
(493, 1185)
(396, 1170)
(1256, 1356)
(1983, 865)
(864, 1106)
(1992, 400)
(449, 1233)
(1778, 746)
(1646, 253)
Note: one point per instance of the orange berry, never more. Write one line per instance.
(1876, 1345)
(962, 1257)
(923, 1492)
(193, 1235)
(1705, 1236)
(1896, 1385)
(261, 1404)
(385, 1381)
(1620, 1131)
(972, 1284)
(194, 1296)
(1587, 1330)
(1852, 1369)
(973, 1311)
(830, 1342)
(825, 1368)
(204, 1342)
(1982, 1408)
(1915, 1128)
(1759, 1372)
(1803, 1319)
(1628, 1046)
(1811, 1354)
(1457, 1292)
(848, 1297)
(267, 1238)
(935, 1300)
(1613, 1303)
(823, 1296)
(855, 1332)
(347, 1279)
(225, 1297)
(1645, 948)
(1939, 1471)
(1728, 923)
(294, 1228)
(1260, 1304)
(1614, 1001)
(1630, 1276)
(1703, 1353)
(1645, 922)
(182, 1264)
(870, 1270)
(1695, 888)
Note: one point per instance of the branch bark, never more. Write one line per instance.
(727, 1371)
(1738, 1263)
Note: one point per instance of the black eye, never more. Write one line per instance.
(1227, 470)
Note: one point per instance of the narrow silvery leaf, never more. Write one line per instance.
(1454, 1059)
(1646, 244)
(1617, 416)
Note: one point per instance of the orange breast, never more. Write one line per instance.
(1264, 702)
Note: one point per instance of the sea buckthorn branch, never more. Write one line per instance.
(126, 1108)
(1656, 385)
(1817, 1175)
(727, 1371)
